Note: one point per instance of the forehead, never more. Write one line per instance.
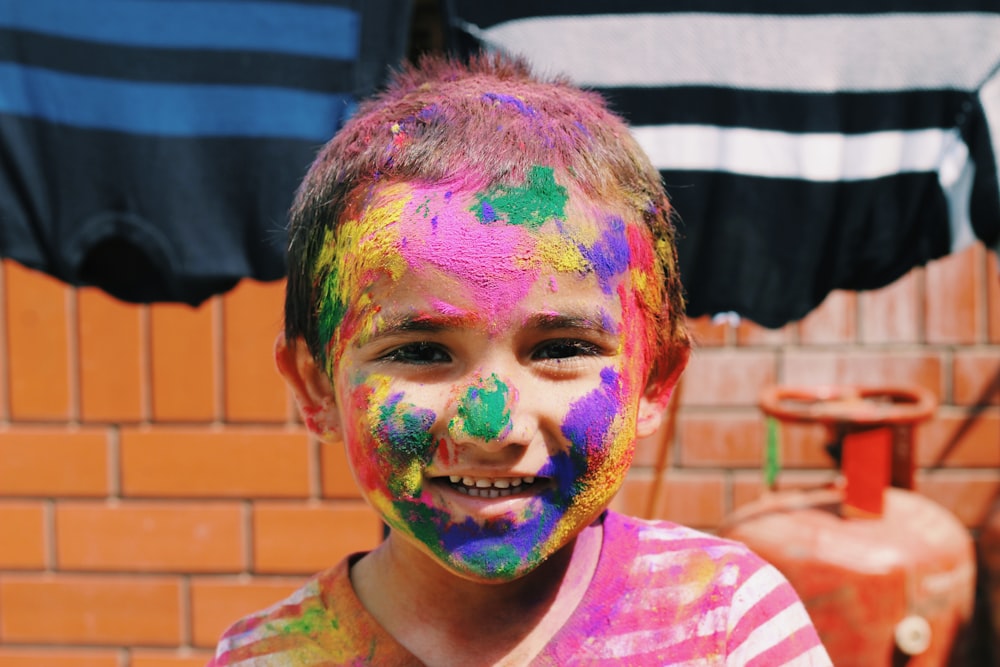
(465, 230)
(488, 247)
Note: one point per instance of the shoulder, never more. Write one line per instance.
(297, 630)
(654, 542)
(719, 587)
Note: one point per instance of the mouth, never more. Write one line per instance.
(492, 487)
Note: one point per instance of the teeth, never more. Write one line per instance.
(488, 487)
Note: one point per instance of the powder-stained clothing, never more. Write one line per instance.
(662, 594)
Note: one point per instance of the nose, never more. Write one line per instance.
(484, 414)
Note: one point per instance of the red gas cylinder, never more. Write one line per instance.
(887, 575)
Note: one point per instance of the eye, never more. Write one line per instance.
(565, 349)
(417, 353)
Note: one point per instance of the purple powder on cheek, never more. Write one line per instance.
(589, 418)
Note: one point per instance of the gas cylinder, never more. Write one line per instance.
(886, 574)
(989, 547)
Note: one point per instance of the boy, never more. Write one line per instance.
(483, 305)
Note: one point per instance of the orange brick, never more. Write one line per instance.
(705, 333)
(750, 334)
(22, 536)
(228, 463)
(721, 440)
(41, 657)
(89, 610)
(161, 658)
(38, 344)
(960, 438)
(183, 363)
(336, 478)
(252, 317)
(303, 539)
(691, 498)
(863, 367)
(993, 297)
(966, 493)
(218, 603)
(954, 292)
(42, 461)
(111, 386)
(150, 537)
(833, 321)
(728, 377)
(892, 314)
(976, 379)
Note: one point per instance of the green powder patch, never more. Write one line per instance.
(312, 622)
(531, 205)
(484, 411)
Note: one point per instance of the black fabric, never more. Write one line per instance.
(140, 156)
(808, 161)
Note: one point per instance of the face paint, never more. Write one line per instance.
(483, 410)
(457, 276)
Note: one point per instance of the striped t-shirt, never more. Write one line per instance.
(662, 594)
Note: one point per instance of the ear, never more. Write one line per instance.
(311, 386)
(654, 401)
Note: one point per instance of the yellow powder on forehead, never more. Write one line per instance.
(557, 251)
(353, 256)
(371, 242)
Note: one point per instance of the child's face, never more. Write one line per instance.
(489, 367)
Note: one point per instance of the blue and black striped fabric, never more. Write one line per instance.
(152, 147)
(807, 146)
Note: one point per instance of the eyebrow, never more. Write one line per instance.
(437, 322)
(428, 323)
(583, 320)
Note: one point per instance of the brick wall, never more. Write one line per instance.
(155, 482)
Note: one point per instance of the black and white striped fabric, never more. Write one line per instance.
(152, 147)
(807, 146)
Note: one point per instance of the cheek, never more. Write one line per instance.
(601, 430)
(391, 440)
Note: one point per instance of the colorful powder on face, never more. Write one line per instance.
(404, 444)
(360, 252)
(404, 428)
(589, 419)
(539, 200)
(496, 261)
(484, 410)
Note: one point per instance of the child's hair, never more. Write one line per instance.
(479, 125)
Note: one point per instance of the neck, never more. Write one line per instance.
(495, 623)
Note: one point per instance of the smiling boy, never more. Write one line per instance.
(483, 305)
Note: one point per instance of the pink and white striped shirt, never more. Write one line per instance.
(662, 594)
